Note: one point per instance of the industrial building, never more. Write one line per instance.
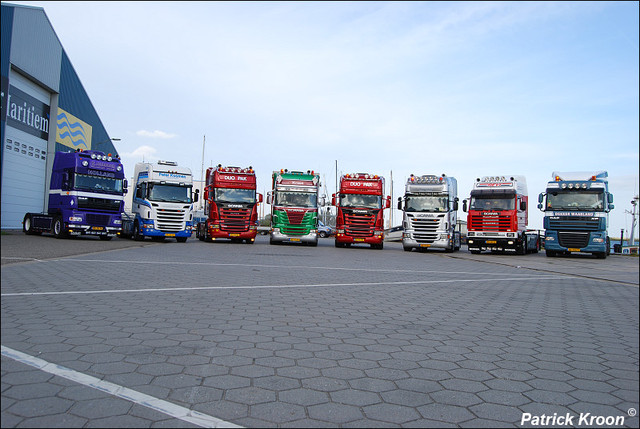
(45, 109)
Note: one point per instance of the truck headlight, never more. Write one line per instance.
(550, 239)
(598, 240)
(75, 219)
(117, 222)
(444, 236)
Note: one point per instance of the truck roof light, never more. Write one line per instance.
(593, 177)
(93, 156)
(558, 178)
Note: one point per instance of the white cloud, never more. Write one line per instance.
(141, 151)
(157, 134)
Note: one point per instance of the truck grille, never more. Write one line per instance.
(425, 229)
(98, 219)
(234, 220)
(573, 239)
(574, 223)
(171, 220)
(295, 226)
(490, 223)
(90, 203)
(359, 224)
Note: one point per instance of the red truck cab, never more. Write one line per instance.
(230, 205)
(360, 210)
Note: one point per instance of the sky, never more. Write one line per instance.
(466, 89)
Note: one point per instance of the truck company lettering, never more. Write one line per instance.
(104, 165)
(172, 175)
(234, 178)
(27, 113)
(362, 184)
(101, 173)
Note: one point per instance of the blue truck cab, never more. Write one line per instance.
(576, 208)
(85, 197)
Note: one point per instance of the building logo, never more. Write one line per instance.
(72, 132)
(27, 113)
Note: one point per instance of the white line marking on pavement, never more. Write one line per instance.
(77, 292)
(288, 267)
(173, 410)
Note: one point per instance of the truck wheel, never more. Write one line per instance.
(105, 238)
(608, 252)
(322, 234)
(550, 253)
(136, 232)
(181, 239)
(407, 249)
(601, 255)
(58, 227)
(27, 226)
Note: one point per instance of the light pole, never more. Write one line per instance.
(634, 203)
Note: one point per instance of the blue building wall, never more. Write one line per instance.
(72, 96)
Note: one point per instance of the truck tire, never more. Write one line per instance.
(322, 234)
(136, 232)
(57, 229)
(407, 248)
(181, 239)
(27, 226)
(550, 253)
(105, 238)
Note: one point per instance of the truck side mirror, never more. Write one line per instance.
(259, 198)
(540, 197)
(323, 201)
(139, 192)
(269, 198)
(540, 206)
(464, 206)
(399, 203)
(455, 204)
(333, 199)
(610, 197)
(196, 196)
(388, 203)
(523, 205)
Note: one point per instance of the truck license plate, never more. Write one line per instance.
(425, 245)
(295, 239)
(170, 235)
(234, 235)
(573, 250)
(491, 242)
(97, 228)
(359, 239)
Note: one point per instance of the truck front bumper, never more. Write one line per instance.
(347, 239)
(597, 243)
(77, 229)
(215, 233)
(495, 244)
(279, 237)
(440, 243)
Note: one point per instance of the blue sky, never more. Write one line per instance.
(463, 88)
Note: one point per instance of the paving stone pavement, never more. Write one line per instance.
(221, 334)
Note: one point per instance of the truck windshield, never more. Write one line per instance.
(169, 193)
(361, 201)
(426, 204)
(493, 203)
(576, 200)
(296, 199)
(227, 195)
(97, 183)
